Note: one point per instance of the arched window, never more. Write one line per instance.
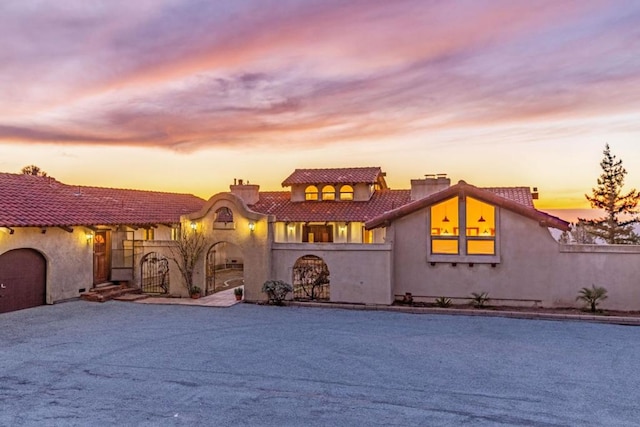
(224, 214)
(346, 192)
(328, 192)
(311, 193)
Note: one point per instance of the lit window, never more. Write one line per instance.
(367, 236)
(328, 193)
(311, 193)
(346, 192)
(444, 227)
(475, 236)
(481, 228)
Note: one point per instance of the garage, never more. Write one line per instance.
(23, 274)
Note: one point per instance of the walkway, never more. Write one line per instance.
(219, 299)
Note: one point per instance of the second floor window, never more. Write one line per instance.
(311, 193)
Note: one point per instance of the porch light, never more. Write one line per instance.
(7, 230)
(89, 237)
(291, 228)
(194, 225)
(252, 226)
(343, 229)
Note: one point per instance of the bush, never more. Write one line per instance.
(592, 296)
(238, 291)
(443, 302)
(479, 300)
(276, 290)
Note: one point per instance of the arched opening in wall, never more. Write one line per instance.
(23, 280)
(225, 267)
(154, 274)
(224, 215)
(310, 279)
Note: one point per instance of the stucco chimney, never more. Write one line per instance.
(421, 188)
(249, 193)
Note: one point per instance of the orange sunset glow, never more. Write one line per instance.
(186, 96)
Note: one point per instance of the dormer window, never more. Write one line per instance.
(328, 192)
(311, 193)
(346, 192)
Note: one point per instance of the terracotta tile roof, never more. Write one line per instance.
(32, 201)
(278, 203)
(521, 195)
(489, 195)
(368, 175)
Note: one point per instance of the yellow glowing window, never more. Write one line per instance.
(367, 236)
(481, 228)
(445, 227)
(328, 193)
(346, 192)
(311, 193)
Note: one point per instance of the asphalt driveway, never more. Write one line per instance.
(119, 363)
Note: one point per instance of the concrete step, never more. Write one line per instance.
(109, 292)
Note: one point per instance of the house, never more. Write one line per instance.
(338, 234)
(59, 240)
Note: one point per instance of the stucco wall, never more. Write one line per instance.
(69, 258)
(254, 245)
(533, 266)
(358, 273)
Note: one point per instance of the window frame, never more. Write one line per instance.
(311, 196)
(462, 256)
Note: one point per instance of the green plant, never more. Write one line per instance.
(443, 302)
(276, 290)
(592, 296)
(479, 300)
(195, 290)
(238, 291)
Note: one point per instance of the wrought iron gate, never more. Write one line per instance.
(155, 274)
(310, 279)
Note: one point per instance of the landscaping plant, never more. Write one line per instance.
(276, 290)
(479, 300)
(592, 296)
(443, 302)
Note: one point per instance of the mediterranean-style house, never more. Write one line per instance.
(338, 234)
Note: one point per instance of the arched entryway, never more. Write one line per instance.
(154, 274)
(225, 267)
(311, 279)
(23, 280)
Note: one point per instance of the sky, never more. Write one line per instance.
(185, 96)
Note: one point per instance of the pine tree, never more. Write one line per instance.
(608, 196)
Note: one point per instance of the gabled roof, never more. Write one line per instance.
(33, 201)
(367, 175)
(279, 203)
(489, 195)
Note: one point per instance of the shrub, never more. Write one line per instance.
(592, 296)
(479, 300)
(443, 302)
(238, 291)
(276, 290)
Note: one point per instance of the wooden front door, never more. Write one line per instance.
(23, 276)
(101, 254)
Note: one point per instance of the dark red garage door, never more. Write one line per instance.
(23, 275)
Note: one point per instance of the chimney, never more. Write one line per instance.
(249, 193)
(432, 183)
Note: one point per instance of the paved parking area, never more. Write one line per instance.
(118, 363)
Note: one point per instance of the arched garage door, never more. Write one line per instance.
(23, 274)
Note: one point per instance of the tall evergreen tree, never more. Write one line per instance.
(608, 196)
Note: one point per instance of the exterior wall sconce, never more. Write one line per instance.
(89, 237)
(7, 230)
(193, 225)
(342, 229)
(252, 226)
